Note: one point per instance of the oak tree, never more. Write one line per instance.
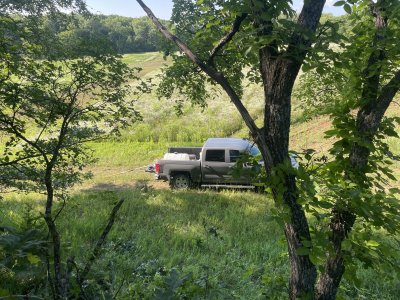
(267, 42)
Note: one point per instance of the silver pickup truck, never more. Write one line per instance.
(213, 167)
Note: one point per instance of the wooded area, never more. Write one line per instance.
(86, 34)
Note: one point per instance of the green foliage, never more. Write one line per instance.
(48, 110)
(333, 183)
(336, 86)
(98, 34)
(52, 108)
(40, 7)
(23, 249)
(202, 24)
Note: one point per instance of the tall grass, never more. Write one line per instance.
(223, 245)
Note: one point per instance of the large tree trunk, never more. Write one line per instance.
(279, 72)
(278, 78)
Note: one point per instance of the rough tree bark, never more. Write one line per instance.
(369, 117)
(278, 71)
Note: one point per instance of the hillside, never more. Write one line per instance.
(122, 161)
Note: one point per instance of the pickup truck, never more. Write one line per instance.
(213, 167)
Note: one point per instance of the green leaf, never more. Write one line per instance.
(314, 258)
(339, 3)
(303, 251)
(372, 243)
(325, 204)
(347, 8)
(330, 133)
(33, 259)
(394, 190)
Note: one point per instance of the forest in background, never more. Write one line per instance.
(79, 35)
(87, 34)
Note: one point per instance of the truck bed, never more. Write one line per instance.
(189, 150)
(170, 167)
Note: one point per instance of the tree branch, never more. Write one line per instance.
(100, 242)
(218, 77)
(228, 37)
(373, 105)
(9, 163)
(307, 23)
(25, 139)
(389, 90)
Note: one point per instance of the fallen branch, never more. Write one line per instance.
(100, 242)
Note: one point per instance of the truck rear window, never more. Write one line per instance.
(215, 155)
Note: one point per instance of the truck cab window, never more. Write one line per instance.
(215, 155)
(234, 155)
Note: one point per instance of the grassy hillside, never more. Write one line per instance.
(121, 162)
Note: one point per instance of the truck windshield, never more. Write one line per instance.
(253, 150)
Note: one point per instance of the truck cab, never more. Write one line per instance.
(219, 156)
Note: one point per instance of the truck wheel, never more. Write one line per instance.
(181, 182)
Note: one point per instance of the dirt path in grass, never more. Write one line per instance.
(117, 178)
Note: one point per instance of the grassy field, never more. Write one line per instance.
(215, 245)
(218, 245)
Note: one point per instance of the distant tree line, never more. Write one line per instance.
(78, 35)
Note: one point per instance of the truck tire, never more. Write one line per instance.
(181, 182)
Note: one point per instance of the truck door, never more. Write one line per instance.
(245, 177)
(214, 166)
(232, 157)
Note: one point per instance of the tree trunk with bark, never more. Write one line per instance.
(279, 73)
(278, 80)
(59, 280)
(369, 117)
